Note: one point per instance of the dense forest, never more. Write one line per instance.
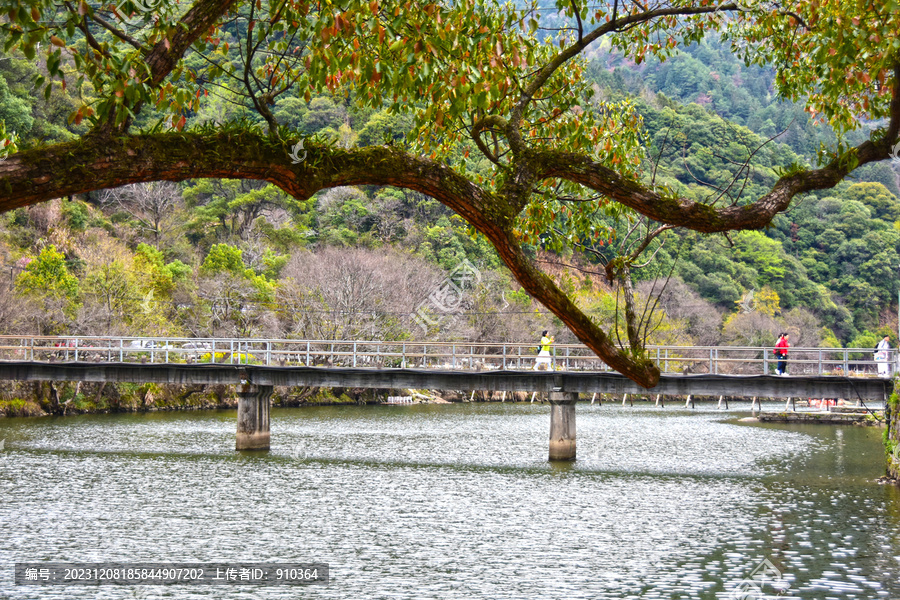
(240, 258)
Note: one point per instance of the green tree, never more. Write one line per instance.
(14, 111)
(155, 274)
(223, 258)
(226, 209)
(883, 203)
(322, 113)
(385, 126)
(47, 281)
(236, 297)
(47, 275)
(763, 255)
(112, 298)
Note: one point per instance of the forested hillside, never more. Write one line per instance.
(241, 258)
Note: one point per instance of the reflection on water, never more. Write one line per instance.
(457, 501)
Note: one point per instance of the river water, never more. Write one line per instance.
(457, 501)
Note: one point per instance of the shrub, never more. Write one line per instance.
(20, 408)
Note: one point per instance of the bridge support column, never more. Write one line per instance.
(253, 417)
(562, 425)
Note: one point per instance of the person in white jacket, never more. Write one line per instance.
(883, 357)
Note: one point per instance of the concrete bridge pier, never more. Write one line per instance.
(562, 425)
(253, 417)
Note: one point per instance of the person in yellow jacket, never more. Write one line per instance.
(543, 361)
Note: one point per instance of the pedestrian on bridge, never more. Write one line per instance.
(543, 359)
(781, 352)
(883, 355)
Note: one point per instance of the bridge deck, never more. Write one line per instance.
(765, 386)
(442, 356)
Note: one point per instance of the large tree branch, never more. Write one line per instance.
(197, 21)
(100, 162)
(633, 365)
(161, 59)
(698, 216)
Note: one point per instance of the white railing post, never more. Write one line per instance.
(354, 355)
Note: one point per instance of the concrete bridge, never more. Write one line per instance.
(256, 366)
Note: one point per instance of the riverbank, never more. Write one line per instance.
(32, 399)
(22, 399)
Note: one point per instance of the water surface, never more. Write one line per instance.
(456, 501)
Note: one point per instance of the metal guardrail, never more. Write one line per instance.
(722, 360)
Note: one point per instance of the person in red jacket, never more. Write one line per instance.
(781, 352)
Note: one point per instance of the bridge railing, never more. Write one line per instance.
(725, 360)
